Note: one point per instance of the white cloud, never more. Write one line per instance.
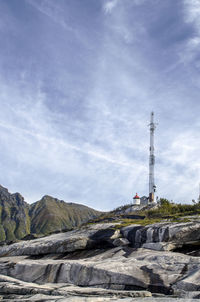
(40, 150)
(192, 16)
(109, 6)
(92, 145)
(193, 11)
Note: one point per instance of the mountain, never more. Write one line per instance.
(50, 214)
(14, 215)
(18, 218)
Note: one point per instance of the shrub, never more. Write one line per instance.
(168, 208)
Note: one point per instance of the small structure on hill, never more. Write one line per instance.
(144, 201)
(140, 201)
(136, 200)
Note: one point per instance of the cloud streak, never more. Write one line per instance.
(109, 6)
(74, 113)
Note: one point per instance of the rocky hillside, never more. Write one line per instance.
(141, 256)
(14, 216)
(51, 214)
(106, 262)
(18, 218)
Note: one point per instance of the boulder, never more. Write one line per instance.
(121, 242)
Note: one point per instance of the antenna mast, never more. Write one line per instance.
(199, 194)
(152, 187)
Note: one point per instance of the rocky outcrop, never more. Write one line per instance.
(103, 256)
(160, 236)
(163, 236)
(9, 285)
(44, 298)
(120, 268)
(95, 236)
(48, 298)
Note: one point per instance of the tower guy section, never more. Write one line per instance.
(152, 186)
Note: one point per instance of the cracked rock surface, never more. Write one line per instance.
(101, 263)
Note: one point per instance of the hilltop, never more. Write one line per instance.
(162, 211)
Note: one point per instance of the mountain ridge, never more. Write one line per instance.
(19, 219)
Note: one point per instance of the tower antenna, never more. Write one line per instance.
(152, 187)
(199, 194)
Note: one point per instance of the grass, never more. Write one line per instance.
(50, 214)
(143, 222)
(169, 210)
(165, 212)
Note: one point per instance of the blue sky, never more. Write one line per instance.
(78, 80)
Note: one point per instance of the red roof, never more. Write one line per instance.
(136, 196)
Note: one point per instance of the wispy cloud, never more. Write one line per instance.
(51, 10)
(38, 144)
(193, 11)
(54, 12)
(110, 5)
(74, 124)
(192, 16)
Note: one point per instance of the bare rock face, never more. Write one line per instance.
(119, 268)
(95, 236)
(9, 285)
(163, 236)
(45, 298)
(104, 262)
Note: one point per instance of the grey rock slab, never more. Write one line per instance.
(118, 268)
(176, 234)
(46, 298)
(159, 246)
(9, 285)
(100, 292)
(37, 297)
(121, 242)
(79, 239)
(189, 295)
(191, 281)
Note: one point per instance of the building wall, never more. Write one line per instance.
(136, 201)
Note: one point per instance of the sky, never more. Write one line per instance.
(78, 81)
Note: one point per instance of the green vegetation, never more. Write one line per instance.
(167, 209)
(2, 233)
(143, 222)
(49, 215)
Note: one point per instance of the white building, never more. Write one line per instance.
(136, 200)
